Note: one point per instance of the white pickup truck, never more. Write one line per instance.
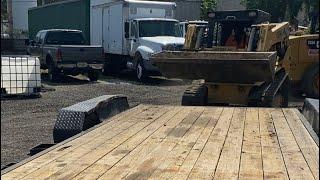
(131, 31)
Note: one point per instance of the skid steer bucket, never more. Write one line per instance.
(217, 67)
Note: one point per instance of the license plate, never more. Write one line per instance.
(82, 64)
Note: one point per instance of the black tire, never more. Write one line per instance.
(311, 82)
(93, 75)
(53, 73)
(195, 95)
(141, 73)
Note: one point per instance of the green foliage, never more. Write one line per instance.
(206, 6)
(282, 10)
(4, 14)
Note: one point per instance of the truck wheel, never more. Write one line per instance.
(53, 73)
(195, 95)
(140, 69)
(93, 75)
(311, 80)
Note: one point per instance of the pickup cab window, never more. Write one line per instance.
(41, 38)
(37, 39)
(65, 38)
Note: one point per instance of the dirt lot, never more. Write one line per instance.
(26, 123)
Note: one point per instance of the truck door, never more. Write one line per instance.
(133, 37)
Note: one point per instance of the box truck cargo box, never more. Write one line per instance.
(130, 31)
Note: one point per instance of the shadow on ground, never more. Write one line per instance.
(129, 77)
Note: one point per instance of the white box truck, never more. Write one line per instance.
(131, 31)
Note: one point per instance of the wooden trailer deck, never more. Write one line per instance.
(175, 142)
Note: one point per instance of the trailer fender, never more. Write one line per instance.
(84, 115)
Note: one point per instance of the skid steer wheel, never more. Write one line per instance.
(140, 69)
(311, 81)
(195, 95)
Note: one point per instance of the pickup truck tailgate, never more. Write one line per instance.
(81, 53)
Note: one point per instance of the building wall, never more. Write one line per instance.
(20, 13)
(188, 10)
(72, 14)
(224, 5)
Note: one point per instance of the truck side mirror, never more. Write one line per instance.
(126, 29)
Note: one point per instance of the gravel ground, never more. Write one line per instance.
(26, 123)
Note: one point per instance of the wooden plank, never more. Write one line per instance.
(208, 159)
(114, 123)
(308, 147)
(146, 162)
(273, 163)
(185, 167)
(88, 161)
(228, 165)
(119, 169)
(169, 168)
(251, 160)
(297, 166)
(104, 140)
(184, 131)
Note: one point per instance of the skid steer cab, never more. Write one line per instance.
(236, 60)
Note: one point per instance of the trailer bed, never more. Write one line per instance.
(166, 142)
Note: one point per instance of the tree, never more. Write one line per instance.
(282, 10)
(206, 6)
(4, 14)
(275, 7)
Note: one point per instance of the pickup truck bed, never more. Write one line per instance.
(166, 142)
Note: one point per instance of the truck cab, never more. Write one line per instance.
(130, 31)
(147, 36)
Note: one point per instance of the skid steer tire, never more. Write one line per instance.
(195, 95)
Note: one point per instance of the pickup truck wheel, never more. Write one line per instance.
(93, 75)
(53, 74)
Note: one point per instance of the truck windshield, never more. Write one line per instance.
(159, 28)
(65, 38)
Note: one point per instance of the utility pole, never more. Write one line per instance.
(10, 18)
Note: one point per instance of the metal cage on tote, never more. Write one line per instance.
(20, 75)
